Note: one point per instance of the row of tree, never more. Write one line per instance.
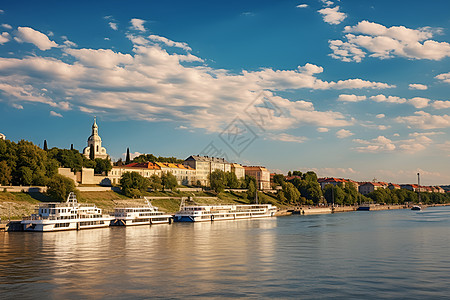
(134, 185)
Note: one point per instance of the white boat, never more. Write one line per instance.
(139, 215)
(416, 207)
(199, 213)
(71, 215)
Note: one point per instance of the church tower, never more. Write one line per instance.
(94, 143)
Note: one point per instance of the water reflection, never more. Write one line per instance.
(354, 255)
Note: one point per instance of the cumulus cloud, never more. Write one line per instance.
(55, 114)
(382, 42)
(29, 35)
(137, 24)
(417, 86)
(441, 104)
(424, 120)
(419, 102)
(332, 15)
(351, 98)
(445, 77)
(389, 99)
(343, 133)
(380, 116)
(113, 26)
(7, 26)
(4, 38)
(302, 6)
(155, 83)
(379, 144)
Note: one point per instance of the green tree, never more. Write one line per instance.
(91, 152)
(45, 145)
(127, 158)
(217, 180)
(278, 179)
(26, 175)
(231, 180)
(102, 166)
(155, 182)
(60, 186)
(251, 190)
(280, 197)
(291, 193)
(5, 173)
(133, 184)
(169, 181)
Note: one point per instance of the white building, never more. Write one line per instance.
(2, 136)
(205, 165)
(95, 142)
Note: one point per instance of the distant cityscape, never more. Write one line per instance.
(196, 171)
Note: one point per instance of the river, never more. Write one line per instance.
(398, 254)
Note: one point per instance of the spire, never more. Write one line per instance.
(95, 127)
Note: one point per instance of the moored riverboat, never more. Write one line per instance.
(199, 213)
(71, 215)
(139, 215)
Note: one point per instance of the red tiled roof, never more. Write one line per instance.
(146, 165)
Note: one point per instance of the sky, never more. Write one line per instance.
(353, 89)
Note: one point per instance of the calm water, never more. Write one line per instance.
(362, 255)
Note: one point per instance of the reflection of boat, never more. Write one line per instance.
(416, 207)
(54, 216)
(139, 215)
(198, 213)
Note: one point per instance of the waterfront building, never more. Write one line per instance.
(369, 187)
(2, 136)
(238, 170)
(146, 170)
(205, 165)
(261, 174)
(94, 143)
(185, 175)
(393, 186)
(336, 181)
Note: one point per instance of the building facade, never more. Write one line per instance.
(94, 143)
(2, 136)
(369, 187)
(261, 174)
(205, 165)
(238, 170)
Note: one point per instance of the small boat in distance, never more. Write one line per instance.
(139, 215)
(416, 207)
(71, 215)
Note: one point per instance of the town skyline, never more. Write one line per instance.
(364, 95)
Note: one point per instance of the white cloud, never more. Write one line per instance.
(343, 133)
(55, 114)
(441, 104)
(380, 116)
(138, 24)
(389, 99)
(417, 86)
(4, 38)
(424, 120)
(181, 127)
(2, 11)
(445, 77)
(166, 41)
(379, 144)
(113, 26)
(332, 15)
(18, 106)
(322, 129)
(351, 98)
(419, 102)
(302, 6)
(154, 84)
(284, 137)
(387, 42)
(7, 26)
(40, 40)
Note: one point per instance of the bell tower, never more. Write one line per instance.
(94, 143)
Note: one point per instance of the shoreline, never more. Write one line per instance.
(312, 210)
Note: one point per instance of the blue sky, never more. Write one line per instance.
(354, 89)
